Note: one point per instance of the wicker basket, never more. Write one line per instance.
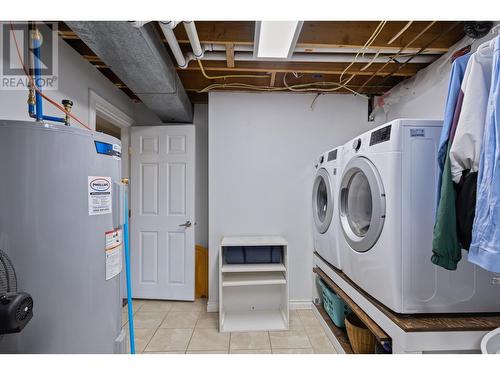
(362, 340)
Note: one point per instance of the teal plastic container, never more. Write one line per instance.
(334, 306)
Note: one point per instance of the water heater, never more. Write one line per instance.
(60, 220)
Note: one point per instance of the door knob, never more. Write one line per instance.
(187, 224)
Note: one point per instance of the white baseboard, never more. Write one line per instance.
(212, 306)
(298, 304)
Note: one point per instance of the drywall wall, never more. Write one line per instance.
(262, 151)
(200, 121)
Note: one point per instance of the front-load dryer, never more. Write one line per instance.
(325, 207)
(387, 212)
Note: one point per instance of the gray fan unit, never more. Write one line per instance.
(16, 308)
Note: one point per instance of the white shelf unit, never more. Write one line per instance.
(253, 297)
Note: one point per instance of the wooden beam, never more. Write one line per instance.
(335, 34)
(195, 81)
(303, 67)
(273, 79)
(68, 35)
(230, 55)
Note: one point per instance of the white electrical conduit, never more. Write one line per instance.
(313, 57)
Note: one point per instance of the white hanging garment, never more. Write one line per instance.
(466, 147)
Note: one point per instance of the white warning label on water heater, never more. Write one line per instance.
(113, 253)
(100, 195)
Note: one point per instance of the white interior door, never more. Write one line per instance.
(162, 218)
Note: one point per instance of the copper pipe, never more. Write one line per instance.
(399, 52)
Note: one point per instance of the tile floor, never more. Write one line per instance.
(186, 327)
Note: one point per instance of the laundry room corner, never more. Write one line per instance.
(262, 153)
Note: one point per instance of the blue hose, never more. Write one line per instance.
(127, 272)
(37, 109)
(38, 79)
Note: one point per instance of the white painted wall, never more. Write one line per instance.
(200, 121)
(262, 150)
(76, 77)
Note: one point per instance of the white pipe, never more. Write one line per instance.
(138, 24)
(249, 48)
(323, 57)
(193, 38)
(167, 29)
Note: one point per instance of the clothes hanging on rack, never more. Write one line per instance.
(465, 207)
(454, 92)
(485, 246)
(446, 249)
(466, 147)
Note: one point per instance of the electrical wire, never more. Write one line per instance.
(34, 85)
(230, 75)
(400, 32)
(305, 86)
(399, 52)
(363, 49)
(370, 62)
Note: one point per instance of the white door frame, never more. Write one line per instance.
(106, 110)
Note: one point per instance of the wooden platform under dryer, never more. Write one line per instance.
(409, 333)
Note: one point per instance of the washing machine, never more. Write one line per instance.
(387, 213)
(325, 206)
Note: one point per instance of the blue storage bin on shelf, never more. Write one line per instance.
(234, 255)
(334, 306)
(276, 254)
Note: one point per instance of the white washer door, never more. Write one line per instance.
(322, 202)
(362, 204)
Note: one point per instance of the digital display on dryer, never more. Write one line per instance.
(332, 155)
(380, 135)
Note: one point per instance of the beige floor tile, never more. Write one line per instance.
(208, 320)
(136, 305)
(294, 319)
(308, 318)
(154, 306)
(209, 339)
(293, 351)
(250, 340)
(124, 318)
(295, 338)
(252, 351)
(181, 319)
(142, 338)
(187, 306)
(175, 339)
(206, 352)
(319, 341)
(149, 319)
(168, 352)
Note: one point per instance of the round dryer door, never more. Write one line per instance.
(322, 202)
(362, 204)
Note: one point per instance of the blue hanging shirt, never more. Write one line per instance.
(485, 247)
(456, 78)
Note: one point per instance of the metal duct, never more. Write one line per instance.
(139, 59)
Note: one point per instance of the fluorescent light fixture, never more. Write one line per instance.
(276, 39)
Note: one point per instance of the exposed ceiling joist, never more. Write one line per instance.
(300, 67)
(335, 34)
